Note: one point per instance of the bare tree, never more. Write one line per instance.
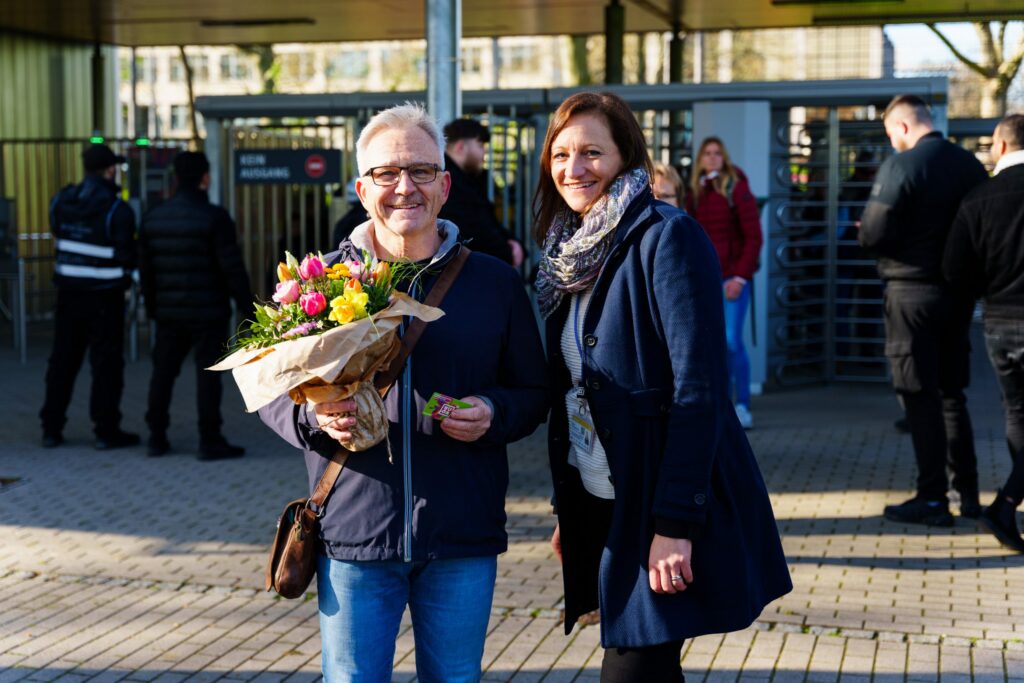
(997, 67)
(191, 95)
(268, 63)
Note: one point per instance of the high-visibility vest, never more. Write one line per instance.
(85, 250)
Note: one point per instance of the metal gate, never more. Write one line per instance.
(826, 314)
(272, 218)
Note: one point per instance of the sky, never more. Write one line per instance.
(915, 44)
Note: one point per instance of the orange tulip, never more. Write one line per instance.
(283, 273)
(354, 285)
(382, 272)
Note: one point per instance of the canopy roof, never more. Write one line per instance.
(211, 22)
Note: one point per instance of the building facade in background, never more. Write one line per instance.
(161, 94)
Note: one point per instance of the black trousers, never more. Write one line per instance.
(1004, 340)
(173, 342)
(929, 351)
(92, 320)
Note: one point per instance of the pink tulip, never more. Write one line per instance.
(357, 271)
(287, 292)
(313, 303)
(311, 267)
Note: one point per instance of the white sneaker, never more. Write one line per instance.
(745, 418)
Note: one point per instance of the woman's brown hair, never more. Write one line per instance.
(724, 183)
(626, 134)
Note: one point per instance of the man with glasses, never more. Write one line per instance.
(423, 529)
(94, 240)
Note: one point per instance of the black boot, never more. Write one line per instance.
(1001, 519)
(116, 439)
(970, 505)
(158, 445)
(920, 511)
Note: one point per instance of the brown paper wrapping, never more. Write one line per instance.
(335, 365)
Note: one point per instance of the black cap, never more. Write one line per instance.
(99, 157)
(466, 129)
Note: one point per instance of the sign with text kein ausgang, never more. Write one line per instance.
(287, 166)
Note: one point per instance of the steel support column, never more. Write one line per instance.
(444, 29)
(614, 35)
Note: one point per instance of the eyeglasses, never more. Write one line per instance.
(385, 176)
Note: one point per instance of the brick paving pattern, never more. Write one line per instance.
(115, 566)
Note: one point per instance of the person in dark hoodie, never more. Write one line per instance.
(94, 239)
(191, 271)
(985, 258)
(467, 206)
(425, 529)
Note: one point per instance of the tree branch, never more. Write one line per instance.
(988, 48)
(1001, 41)
(1008, 69)
(964, 59)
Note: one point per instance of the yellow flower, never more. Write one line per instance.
(341, 269)
(333, 276)
(283, 273)
(342, 311)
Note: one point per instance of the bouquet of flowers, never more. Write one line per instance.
(328, 331)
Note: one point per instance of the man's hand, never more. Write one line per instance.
(517, 253)
(733, 289)
(468, 424)
(669, 565)
(336, 418)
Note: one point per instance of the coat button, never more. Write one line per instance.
(590, 340)
(594, 384)
(699, 499)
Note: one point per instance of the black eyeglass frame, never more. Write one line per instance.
(408, 170)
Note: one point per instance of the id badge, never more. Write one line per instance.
(581, 433)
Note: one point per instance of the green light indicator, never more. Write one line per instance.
(96, 139)
(142, 142)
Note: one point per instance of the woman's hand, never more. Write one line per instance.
(669, 565)
(336, 418)
(733, 288)
(468, 424)
(556, 543)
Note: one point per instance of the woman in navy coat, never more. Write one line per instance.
(664, 521)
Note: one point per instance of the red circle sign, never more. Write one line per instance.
(316, 166)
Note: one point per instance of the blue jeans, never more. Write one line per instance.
(739, 362)
(361, 606)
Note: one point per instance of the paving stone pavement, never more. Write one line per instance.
(115, 566)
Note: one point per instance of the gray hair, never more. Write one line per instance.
(402, 116)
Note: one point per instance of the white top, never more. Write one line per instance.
(1009, 159)
(593, 466)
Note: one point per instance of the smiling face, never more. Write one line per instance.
(584, 161)
(711, 158)
(404, 212)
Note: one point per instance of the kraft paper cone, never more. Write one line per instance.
(262, 375)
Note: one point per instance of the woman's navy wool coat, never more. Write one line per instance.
(654, 372)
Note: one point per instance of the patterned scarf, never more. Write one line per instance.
(575, 247)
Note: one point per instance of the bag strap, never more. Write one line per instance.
(327, 479)
(387, 377)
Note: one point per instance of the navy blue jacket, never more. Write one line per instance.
(442, 498)
(655, 375)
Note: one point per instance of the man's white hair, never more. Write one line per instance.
(402, 116)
